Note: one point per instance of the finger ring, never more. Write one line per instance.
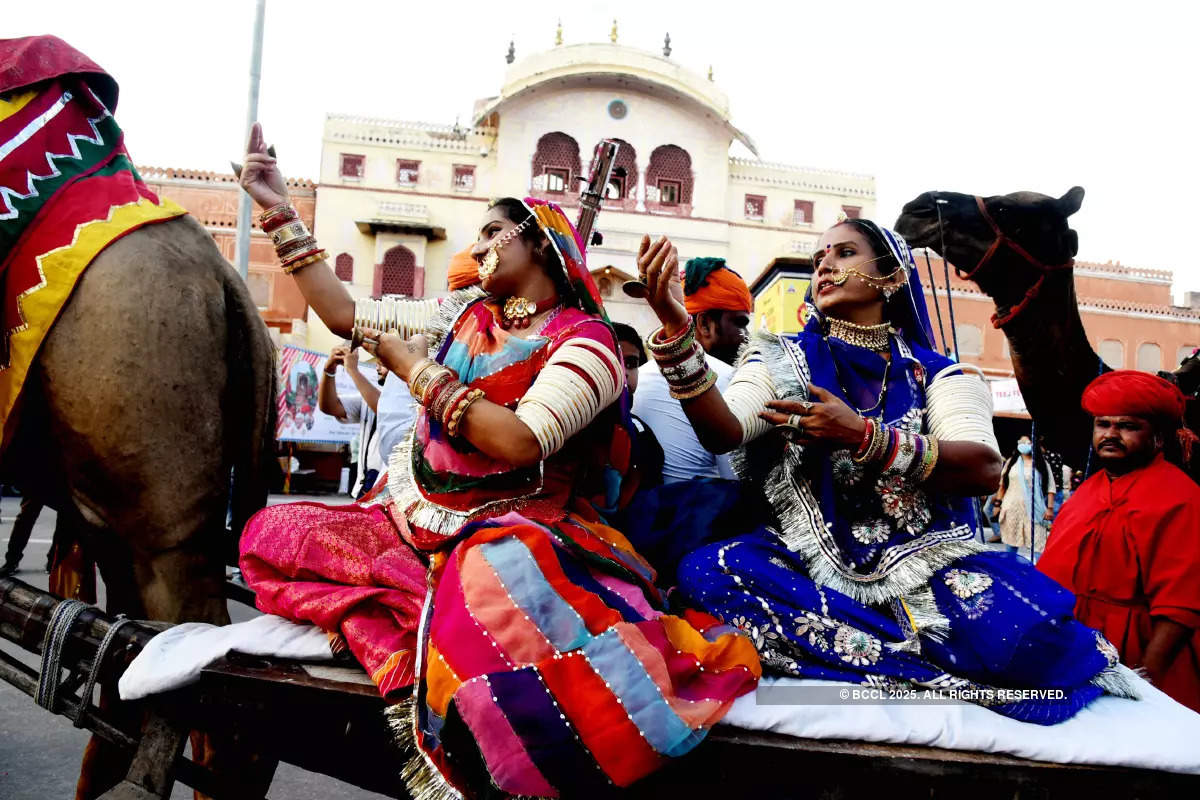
(796, 421)
(806, 405)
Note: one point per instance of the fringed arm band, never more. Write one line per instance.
(749, 391)
(580, 380)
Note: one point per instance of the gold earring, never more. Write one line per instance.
(489, 264)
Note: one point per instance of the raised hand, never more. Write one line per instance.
(260, 175)
(658, 265)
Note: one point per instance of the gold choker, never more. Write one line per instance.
(871, 337)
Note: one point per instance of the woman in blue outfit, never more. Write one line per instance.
(869, 447)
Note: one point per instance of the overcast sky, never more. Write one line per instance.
(981, 97)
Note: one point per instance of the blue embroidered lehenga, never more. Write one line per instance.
(866, 578)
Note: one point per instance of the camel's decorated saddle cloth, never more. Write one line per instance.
(67, 191)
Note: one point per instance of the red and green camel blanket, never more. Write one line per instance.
(67, 190)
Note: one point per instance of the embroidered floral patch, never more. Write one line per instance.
(872, 531)
(908, 507)
(966, 584)
(814, 628)
(856, 647)
(846, 471)
(758, 635)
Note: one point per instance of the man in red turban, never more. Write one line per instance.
(1127, 543)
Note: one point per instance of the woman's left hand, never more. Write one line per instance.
(1049, 515)
(823, 418)
(398, 355)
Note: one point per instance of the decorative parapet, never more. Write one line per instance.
(199, 177)
(408, 212)
(1119, 270)
(406, 133)
(807, 178)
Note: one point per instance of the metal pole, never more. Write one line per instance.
(244, 201)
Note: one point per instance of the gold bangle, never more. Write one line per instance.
(289, 232)
(414, 374)
(460, 411)
(288, 269)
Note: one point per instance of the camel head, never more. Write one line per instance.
(1035, 222)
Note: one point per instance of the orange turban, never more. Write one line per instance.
(1127, 392)
(709, 285)
(463, 270)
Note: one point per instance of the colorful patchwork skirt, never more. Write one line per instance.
(543, 663)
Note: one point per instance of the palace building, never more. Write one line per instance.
(398, 198)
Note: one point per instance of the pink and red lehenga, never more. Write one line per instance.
(536, 639)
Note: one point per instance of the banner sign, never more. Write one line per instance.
(299, 419)
(1006, 397)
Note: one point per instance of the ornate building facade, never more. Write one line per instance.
(399, 198)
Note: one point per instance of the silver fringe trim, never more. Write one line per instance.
(421, 778)
(930, 621)
(1118, 681)
(426, 514)
(802, 526)
(450, 309)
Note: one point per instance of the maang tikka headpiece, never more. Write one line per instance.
(492, 260)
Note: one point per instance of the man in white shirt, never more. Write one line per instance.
(359, 406)
(720, 302)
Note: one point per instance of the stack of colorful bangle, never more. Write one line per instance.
(682, 363)
(294, 245)
(443, 395)
(897, 451)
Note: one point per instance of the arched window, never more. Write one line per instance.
(556, 166)
(970, 339)
(1149, 357)
(1112, 352)
(669, 181)
(343, 267)
(622, 186)
(397, 274)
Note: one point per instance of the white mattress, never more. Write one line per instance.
(1154, 732)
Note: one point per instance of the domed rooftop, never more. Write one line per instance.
(617, 67)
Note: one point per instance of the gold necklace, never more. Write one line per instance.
(872, 337)
(520, 311)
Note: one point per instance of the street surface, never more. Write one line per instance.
(40, 752)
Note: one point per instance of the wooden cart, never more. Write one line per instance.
(328, 718)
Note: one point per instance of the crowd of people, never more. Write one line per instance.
(583, 546)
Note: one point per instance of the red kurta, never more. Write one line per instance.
(1129, 548)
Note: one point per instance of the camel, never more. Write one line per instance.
(148, 412)
(1019, 249)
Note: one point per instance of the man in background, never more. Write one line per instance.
(720, 302)
(647, 452)
(359, 406)
(1128, 542)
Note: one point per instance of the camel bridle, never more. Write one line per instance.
(1002, 239)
